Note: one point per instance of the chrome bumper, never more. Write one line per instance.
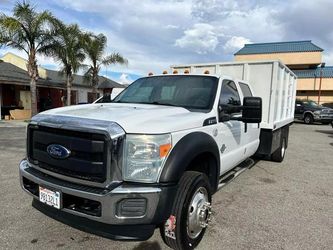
(109, 199)
(323, 117)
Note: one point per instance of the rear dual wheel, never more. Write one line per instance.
(279, 154)
(190, 214)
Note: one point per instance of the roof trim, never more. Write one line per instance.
(327, 72)
(278, 47)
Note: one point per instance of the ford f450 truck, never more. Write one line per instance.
(155, 155)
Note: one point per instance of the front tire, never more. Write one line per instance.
(308, 119)
(190, 212)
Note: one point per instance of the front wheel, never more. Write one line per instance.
(308, 119)
(190, 213)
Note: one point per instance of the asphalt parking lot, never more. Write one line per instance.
(270, 206)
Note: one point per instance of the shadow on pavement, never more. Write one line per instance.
(148, 246)
(328, 132)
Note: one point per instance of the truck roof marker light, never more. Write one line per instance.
(164, 150)
(175, 72)
(165, 72)
(150, 74)
(186, 71)
(206, 72)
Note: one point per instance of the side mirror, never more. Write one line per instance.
(252, 110)
(225, 112)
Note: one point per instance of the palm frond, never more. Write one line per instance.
(113, 59)
(24, 11)
(9, 24)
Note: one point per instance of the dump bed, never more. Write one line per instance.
(274, 82)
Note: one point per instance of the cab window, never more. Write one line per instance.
(229, 102)
(245, 89)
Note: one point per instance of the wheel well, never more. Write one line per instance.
(307, 113)
(206, 163)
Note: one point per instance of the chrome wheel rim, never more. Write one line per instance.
(307, 119)
(199, 213)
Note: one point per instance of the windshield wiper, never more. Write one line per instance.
(155, 103)
(168, 104)
(162, 103)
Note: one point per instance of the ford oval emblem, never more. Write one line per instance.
(57, 151)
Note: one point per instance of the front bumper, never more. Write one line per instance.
(323, 118)
(132, 221)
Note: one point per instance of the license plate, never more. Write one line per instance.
(49, 197)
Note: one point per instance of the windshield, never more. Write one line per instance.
(191, 92)
(312, 104)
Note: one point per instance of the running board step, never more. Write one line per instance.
(233, 173)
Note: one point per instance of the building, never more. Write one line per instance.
(51, 87)
(315, 80)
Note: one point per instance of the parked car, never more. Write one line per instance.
(310, 111)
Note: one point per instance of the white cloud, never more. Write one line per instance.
(125, 79)
(235, 43)
(213, 9)
(170, 26)
(328, 58)
(201, 39)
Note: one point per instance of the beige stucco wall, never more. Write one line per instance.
(21, 63)
(325, 96)
(286, 58)
(313, 84)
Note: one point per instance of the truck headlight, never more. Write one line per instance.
(144, 156)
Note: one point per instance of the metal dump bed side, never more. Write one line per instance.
(274, 82)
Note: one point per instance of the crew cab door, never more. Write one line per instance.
(251, 134)
(299, 109)
(230, 132)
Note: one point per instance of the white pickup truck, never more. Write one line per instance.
(155, 155)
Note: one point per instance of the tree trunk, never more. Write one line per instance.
(33, 93)
(69, 89)
(94, 84)
(33, 74)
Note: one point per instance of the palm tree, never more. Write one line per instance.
(30, 31)
(67, 48)
(95, 49)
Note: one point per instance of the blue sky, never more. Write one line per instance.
(154, 34)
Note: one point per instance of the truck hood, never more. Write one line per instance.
(136, 118)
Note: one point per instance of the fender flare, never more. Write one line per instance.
(189, 147)
(308, 112)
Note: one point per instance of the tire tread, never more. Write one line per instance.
(185, 184)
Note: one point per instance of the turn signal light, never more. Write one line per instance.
(175, 72)
(164, 149)
(150, 74)
(165, 72)
(206, 72)
(186, 71)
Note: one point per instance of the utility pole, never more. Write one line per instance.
(322, 66)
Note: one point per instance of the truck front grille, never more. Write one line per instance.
(88, 152)
(327, 111)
